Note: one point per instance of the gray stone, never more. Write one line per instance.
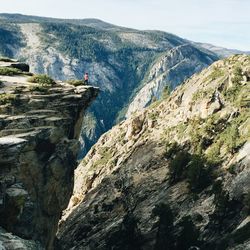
(37, 161)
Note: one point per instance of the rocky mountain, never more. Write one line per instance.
(90, 22)
(173, 176)
(220, 51)
(40, 125)
(131, 67)
(168, 71)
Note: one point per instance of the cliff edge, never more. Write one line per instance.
(40, 124)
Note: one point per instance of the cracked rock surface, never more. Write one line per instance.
(173, 176)
(39, 132)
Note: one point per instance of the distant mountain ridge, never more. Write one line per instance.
(99, 24)
(220, 51)
(91, 22)
(121, 61)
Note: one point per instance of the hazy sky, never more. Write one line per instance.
(221, 22)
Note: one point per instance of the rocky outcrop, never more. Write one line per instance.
(8, 241)
(220, 51)
(175, 176)
(6, 62)
(39, 131)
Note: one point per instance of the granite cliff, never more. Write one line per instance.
(40, 124)
(173, 176)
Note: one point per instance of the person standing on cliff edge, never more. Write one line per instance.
(86, 78)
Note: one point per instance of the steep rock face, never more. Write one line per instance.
(169, 71)
(39, 132)
(174, 176)
(8, 241)
(118, 59)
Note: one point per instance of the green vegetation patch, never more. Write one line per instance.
(202, 93)
(166, 92)
(217, 137)
(229, 140)
(213, 154)
(215, 74)
(76, 82)
(44, 80)
(203, 131)
(155, 104)
(172, 149)
(179, 130)
(18, 89)
(9, 71)
(7, 99)
(231, 94)
(237, 75)
(39, 88)
(238, 93)
(76, 41)
(153, 116)
(213, 138)
(106, 154)
(243, 97)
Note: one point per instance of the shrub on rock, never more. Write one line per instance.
(42, 79)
